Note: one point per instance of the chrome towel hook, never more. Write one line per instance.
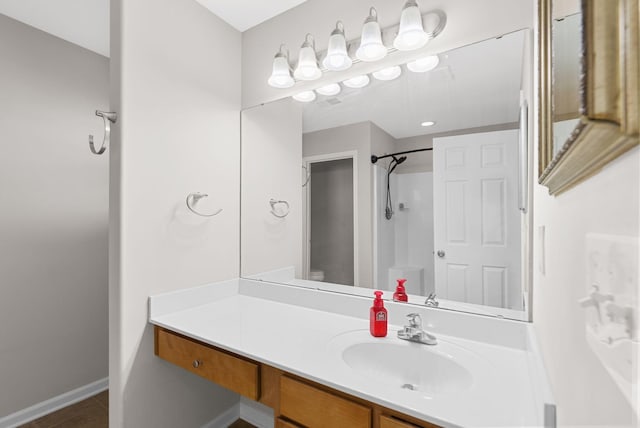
(193, 199)
(307, 176)
(109, 118)
(273, 204)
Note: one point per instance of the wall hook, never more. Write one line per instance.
(307, 176)
(109, 118)
(193, 199)
(273, 204)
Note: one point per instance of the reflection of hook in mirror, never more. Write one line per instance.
(193, 199)
(273, 203)
(307, 176)
(108, 118)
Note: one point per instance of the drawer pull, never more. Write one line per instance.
(196, 363)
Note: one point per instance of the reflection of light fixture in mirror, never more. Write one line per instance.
(281, 74)
(411, 34)
(337, 58)
(427, 123)
(371, 47)
(305, 96)
(307, 68)
(357, 82)
(329, 90)
(388, 73)
(424, 64)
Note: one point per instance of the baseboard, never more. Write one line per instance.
(256, 414)
(225, 419)
(56, 403)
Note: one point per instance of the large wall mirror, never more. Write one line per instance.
(406, 174)
(589, 80)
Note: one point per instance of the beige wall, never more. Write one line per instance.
(467, 22)
(178, 133)
(53, 221)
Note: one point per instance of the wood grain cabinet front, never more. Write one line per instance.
(227, 370)
(315, 408)
(391, 422)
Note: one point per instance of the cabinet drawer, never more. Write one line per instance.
(389, 422)
(315, 408)
(227, 370)
(281, 423)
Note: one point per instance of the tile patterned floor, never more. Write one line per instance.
(90, 413)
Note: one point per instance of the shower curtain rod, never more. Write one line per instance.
(375, 158)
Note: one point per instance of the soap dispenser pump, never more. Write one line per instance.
(378, 317)
(400, 295)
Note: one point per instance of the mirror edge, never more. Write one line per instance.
(609, 123)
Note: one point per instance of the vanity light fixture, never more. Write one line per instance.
(388, 73)
(337, 58)
(281, 74)
(307, 68)
(411, 34)
(371, 47)
(357, 82)
(427, 123)
(424, 64)
(329, 90)
(305, 96)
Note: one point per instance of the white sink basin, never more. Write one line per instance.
(430, 371)
(410, 366)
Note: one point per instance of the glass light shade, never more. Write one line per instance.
(281, 74)
(424, 64)
(357, 82)
(307, 68)
(305, 96)
(329, 90)
(388, 73)
(411, 34)
(337, 58)
(371, 47)
(428, 123)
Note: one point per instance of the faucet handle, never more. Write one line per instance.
(415, 320)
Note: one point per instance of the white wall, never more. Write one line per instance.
(53, 221)
(178, 133)
(467, 22)
(271, 169)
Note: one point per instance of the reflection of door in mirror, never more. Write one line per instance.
(477, 219)
(330, 220)
(567, 52)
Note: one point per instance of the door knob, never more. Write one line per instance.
(440, 253)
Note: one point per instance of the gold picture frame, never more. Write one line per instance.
(608, 125)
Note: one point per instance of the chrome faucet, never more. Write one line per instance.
(414, 333)
(431, 300)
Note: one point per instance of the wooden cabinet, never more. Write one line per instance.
(297, 402)
(313, 407)
(223, 368)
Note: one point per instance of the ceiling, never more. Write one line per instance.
(473, 86)
(86, 22)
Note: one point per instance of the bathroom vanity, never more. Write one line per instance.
(308, 355)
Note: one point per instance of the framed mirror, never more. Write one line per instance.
(418, 173)
(588, 78)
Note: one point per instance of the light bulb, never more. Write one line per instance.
(305, 96)
(411, 34)
(281, 74)
(357, 82)
(337, 58)
(424, 64)
(388, 73)
(307, 68)
(427, 123)
(371, 47)
(329, 90)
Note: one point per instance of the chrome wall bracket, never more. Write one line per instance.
(108, 118)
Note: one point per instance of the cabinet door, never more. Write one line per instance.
(389, 422)
(281, 423)
(227, 370)
(315, 408)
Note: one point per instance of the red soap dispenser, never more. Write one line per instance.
(378, 317)
(400, 295)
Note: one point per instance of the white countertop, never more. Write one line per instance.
(307, 342)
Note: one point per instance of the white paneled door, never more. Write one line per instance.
(477, 219)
